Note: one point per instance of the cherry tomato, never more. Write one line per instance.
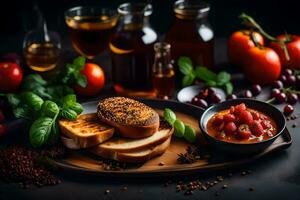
(257, 129)
(262, 65)
(229, 118)
(293, 48)
(10, 76)
(245, 117)
(218, 120)
(244, 131)
(239, 108)
(230, 128)
(238, 44)
(95, 80)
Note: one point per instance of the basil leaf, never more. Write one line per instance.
(81, 80)
(32, 100)
(40, 131)
(185, 65)
(77, 107)
(54, 136)
(188, 80)
(169, 116)
(189, 134)
(69, 100)
(179, 128)
(22, 112)
(68, 114)
(13, 100)
(49, 109)
(211, 83)
(78, 63)
(204, 74)
(229, 88)
(223, 78)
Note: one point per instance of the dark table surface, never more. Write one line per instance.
(276, 176)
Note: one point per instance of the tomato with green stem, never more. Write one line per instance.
(292, 43)
(238, 44)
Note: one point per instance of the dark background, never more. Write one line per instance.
(17, 17)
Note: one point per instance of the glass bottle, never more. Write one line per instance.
(131, 48)
(191, 34)
(163, 72)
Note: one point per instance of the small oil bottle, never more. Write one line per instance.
(163, 71)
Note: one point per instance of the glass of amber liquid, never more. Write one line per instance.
(90, 29)
(41, 50)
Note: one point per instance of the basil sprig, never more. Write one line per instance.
(220, 80)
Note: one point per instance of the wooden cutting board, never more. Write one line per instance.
(83, 161)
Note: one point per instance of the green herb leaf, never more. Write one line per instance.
(54, 136)
(49, 109)
(13, 100)
(77, 107)
(188, 80)
(32, 100)
(211, 83)
(22, 112)
(68, 113)
(69, 100)
(223, 78)
(179, 128)
(40, 131)
(79, 63)
(169, 116)
(185, 65)
(81, 80)
(229, 88)
(189, 134)
(204, 74)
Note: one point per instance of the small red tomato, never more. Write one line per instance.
(257, 128)
(238, 44)
(255, 115)
(1, 116)
(293, 48)
(262, 65)
(244, 131)
(229, 118)
(95, 80)
(218, 120)
(10, 77)
(239, 108)
(245, 117)
(2, 130)
(232, 109)
(221, 127)
(230, 128)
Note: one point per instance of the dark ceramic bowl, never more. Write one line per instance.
(242, 148)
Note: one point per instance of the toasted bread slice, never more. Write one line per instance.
(131, 118)
(136, 156)
(121, 144)
(86, 131)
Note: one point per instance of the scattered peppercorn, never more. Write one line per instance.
(294, 125)
(224, 186)
(18, 164)
(251, 189)
(106, 191)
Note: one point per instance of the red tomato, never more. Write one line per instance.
(218, 120)
(229, 118)
(245, 117)
(238, 44)
(293, 48)
(257, 129)
(230, 128)
(262, 65)
(239, 108)
(244, 131)
(10, 76)
(95, 80)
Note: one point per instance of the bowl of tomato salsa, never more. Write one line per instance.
(242, 126)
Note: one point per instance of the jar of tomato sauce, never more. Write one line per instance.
(191, 34)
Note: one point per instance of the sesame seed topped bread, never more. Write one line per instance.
(86, 131)
(131, 118)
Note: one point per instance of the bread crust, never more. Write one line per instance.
(94, 131)
(131, 118)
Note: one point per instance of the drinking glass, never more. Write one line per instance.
(90, 29)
